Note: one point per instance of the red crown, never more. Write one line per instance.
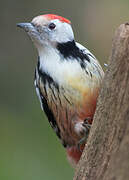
(53, 16)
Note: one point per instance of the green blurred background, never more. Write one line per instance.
(29, 149)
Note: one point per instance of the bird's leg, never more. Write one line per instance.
(87, 125)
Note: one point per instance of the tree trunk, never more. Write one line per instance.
(106, 154)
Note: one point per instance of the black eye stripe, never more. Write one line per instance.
(52, 26)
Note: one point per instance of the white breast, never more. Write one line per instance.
(61, 70)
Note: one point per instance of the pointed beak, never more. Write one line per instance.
(32, 31)
(28, 27)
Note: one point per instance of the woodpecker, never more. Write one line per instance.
(68, 78)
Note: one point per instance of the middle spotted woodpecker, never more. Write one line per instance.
(68, 78)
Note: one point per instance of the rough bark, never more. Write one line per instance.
(106, 154)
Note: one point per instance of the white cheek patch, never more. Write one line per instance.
(62, 33)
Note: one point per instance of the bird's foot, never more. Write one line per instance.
(87, 125)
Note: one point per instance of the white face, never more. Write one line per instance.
(51, 31)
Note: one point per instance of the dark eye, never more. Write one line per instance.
(52, 26)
